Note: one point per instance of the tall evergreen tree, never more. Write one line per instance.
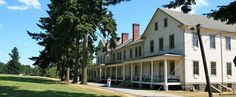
(14, 64)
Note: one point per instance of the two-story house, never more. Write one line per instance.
(167, 54)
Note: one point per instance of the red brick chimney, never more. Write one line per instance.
(125, 37)
(135, 31)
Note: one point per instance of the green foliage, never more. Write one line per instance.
(14, 64)
(225, 13)
(25, 70)
(3, 68)
(51, 72)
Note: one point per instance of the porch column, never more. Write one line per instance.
(165, 75)
(123, 72)
(116, 72)
(131, 72)
(151, 74)
(141, 74)
(100, 73)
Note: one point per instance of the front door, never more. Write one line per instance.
(161, 72)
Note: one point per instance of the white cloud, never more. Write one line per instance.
(2, 2)
(27, 5)
(18, 7)
(199, 4)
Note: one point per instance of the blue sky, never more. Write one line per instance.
(18, 16)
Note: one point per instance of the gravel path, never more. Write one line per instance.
(139, 93)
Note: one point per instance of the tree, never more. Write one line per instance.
(14, 64)
(3, 68)
(225, 13)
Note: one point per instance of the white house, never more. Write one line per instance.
(168, 55)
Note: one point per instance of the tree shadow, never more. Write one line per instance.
(27, 79)
(9, 91)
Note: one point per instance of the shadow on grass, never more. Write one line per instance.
(8, 91)
(27, 79)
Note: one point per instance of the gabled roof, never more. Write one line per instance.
(193, 20)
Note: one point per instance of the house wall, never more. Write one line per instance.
(211, 55)
(172, 28)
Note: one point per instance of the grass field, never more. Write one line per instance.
(27, 86)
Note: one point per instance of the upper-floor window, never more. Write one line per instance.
(228, 42)
(118, 56)
(160, 44)
(212, 41)
(98, 60)
(124, 55)
(104, 58)
(213, 68)
(165, 22)
(139, 51)
(195, 67)
(171, 41)
(195, 40)
(136, 52)
(229, 68)
(156, 26)
(114, 57)
(131, 53)
(151, 46)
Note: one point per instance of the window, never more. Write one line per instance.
(136, 52)
(161, 44)
(130, 53)
(212, 41)
(140, 51)
(98, 59)
(156, 26)
(195, 40)
(165, 22)
(229, 69)
(171, 41)
(172, 68)
(124, 54)
(151, 46)
(213, 68)
(228, 43)
(114, 57)
(118, 56)
(195, 67)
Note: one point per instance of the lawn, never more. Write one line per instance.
(27, 86)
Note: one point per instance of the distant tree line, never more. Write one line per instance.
(13, 66)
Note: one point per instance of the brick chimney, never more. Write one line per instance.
(125, 37)
(135, 31)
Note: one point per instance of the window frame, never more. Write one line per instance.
(228, 45)
(171, 42)
(196, 68)
(161, 44)
(151, 46)
(130, 53)
(124, 54)
(213, 68)
(156, 26)
(165, 22)
(212, 41)
(140, 51)
(194, 39)
(229, 71)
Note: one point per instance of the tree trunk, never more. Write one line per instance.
(85, 57)
(75, 79)
(62, 74)
(67, 74)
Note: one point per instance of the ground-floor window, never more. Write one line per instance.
(196, 86)
(229, 69)
(229, 85)
(195, 67)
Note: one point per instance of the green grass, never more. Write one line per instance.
(26, 86)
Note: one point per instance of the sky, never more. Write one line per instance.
(18, 16)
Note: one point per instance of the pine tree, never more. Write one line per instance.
(14, 64)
